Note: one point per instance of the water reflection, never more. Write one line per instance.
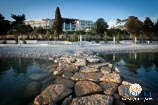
(133, 61)
(143, 67)
(17, 86)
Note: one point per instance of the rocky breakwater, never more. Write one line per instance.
(82, 79)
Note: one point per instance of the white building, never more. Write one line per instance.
(85, 25)
(68, 24)
(44, 23)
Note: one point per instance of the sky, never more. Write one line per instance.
(110, 10)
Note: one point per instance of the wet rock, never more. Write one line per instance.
(87, 76)
(86, 87)
(52, 94)
(67, 83)
(111, 77)
(108, 88)
(96, 99)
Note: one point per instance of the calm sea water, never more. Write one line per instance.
(16, 88)
(139, 68)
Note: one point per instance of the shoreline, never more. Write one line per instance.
(51, 51)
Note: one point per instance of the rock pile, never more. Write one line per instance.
(82, 80)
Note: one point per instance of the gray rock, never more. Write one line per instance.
(111, 77)
(109, 88)
(87, 76)
(126, 83)
(93, 59)
(96, 99)
(98, 65)
(67, 101)
(105, 70)
(81, 62)
(67, 83)
(86, 87)
(52, 94)
(88, 70)
(67, 74)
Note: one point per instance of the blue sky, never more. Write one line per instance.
(110, 10)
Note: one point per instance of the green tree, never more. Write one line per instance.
(101, 26)
(18, 25)
(4, 25)
(147, 28)
(133, 26)
(57, 23)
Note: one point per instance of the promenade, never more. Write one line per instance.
(47, 51)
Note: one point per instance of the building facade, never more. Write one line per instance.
(43, 23)
(68, 24)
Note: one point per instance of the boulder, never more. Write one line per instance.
(93, 59)
(87, 76)
(71, 59)
(96, 99)
(86, 87)
(67, 101)
(110, 65)
(111, 77)
(88, 70)
(126, 83)
(67, 74)
(70, 67)
(108, 88)
(98, 65)
(67, 59)
(57, 72)
(52, 94)
(105, 70)
(67, 83)
(81, 62)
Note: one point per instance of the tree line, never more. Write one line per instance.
(133, 27)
